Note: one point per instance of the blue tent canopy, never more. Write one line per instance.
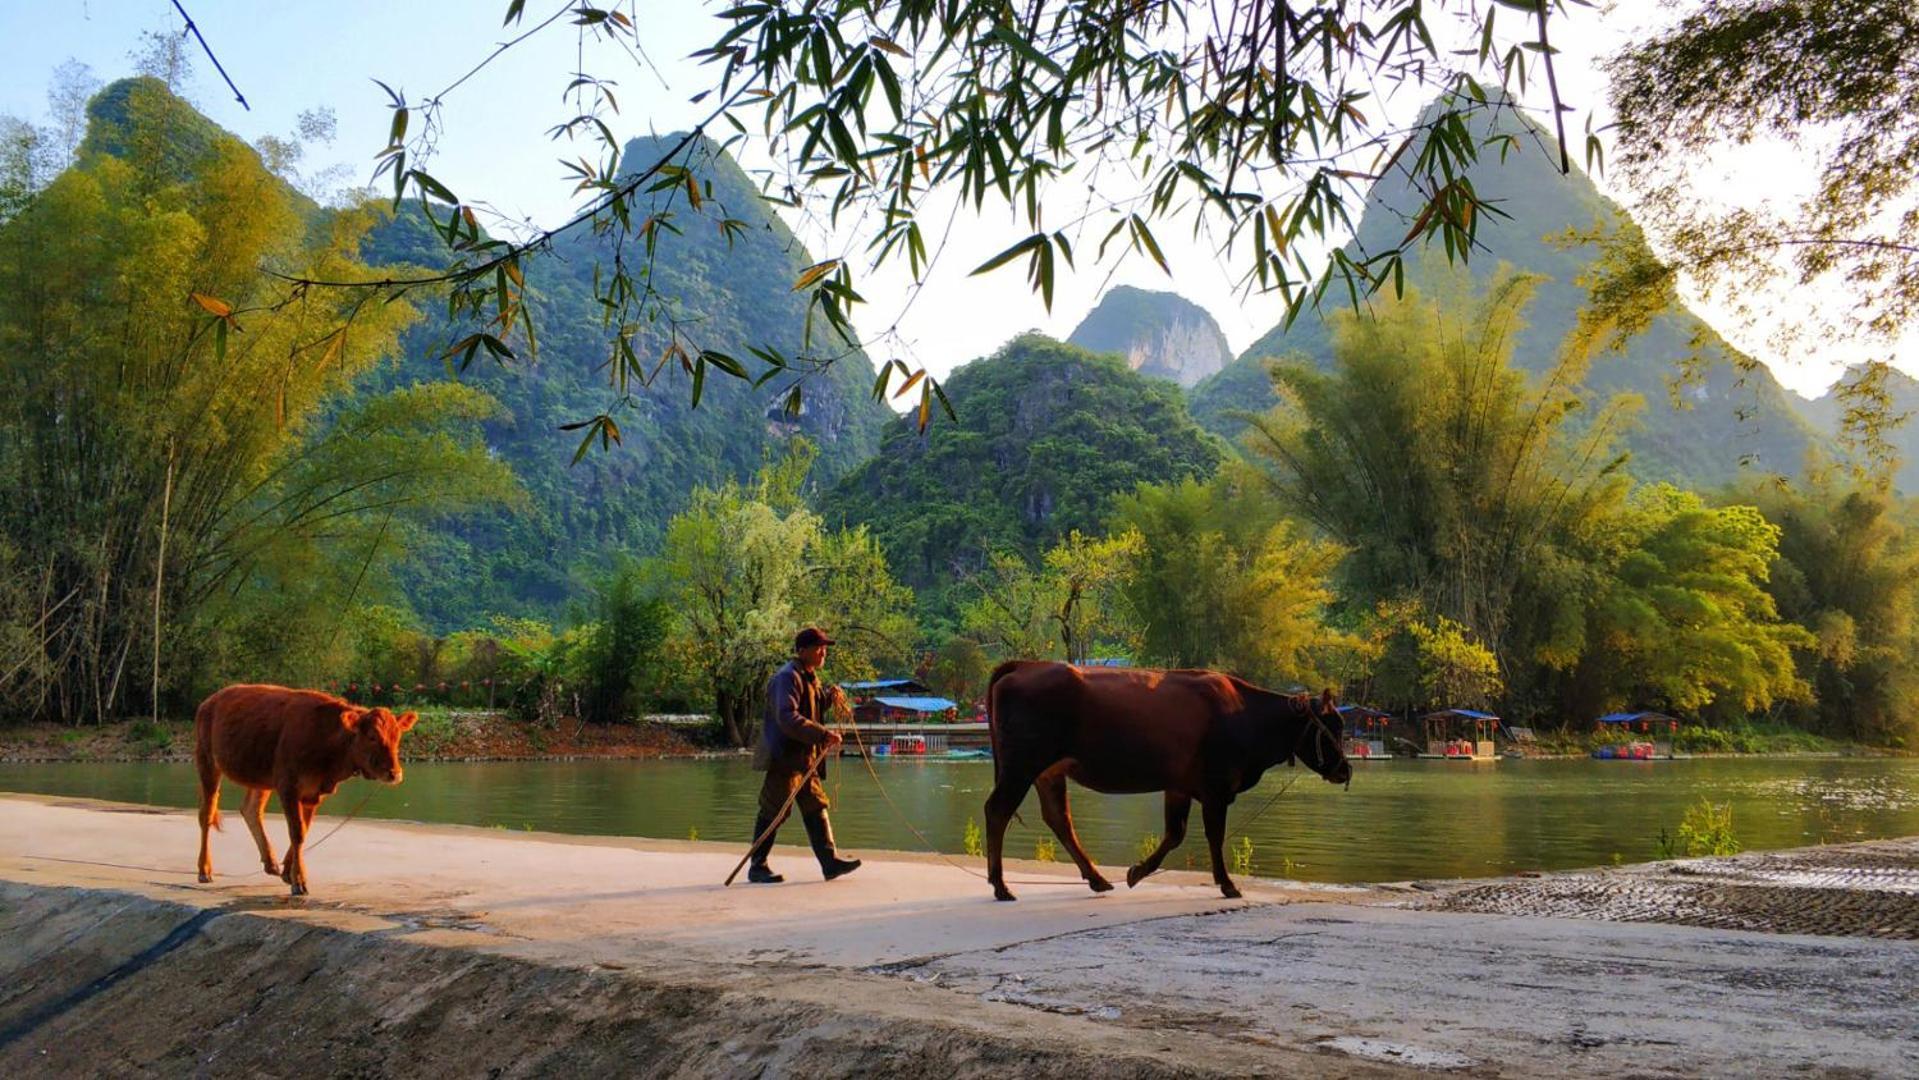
(872, 686)
(1631, 717)
(1350, 711)
(1469, 714)
(918, 704)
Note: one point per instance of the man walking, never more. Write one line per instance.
(792, 740)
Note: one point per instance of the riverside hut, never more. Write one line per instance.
(1460, 735)
(1647, 736)
(906, 709)
(1364, 732)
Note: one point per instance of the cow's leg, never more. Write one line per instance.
(1177, 807)
(1213, 813)
(1051, 786)
(255, 812)
(209, 810)
(1001, 805)
(293, 868)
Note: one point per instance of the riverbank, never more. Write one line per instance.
(458, 950)
(480, 735)
(440, 735)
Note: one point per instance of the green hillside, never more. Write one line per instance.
(1046, 435)
(1726, 419)
(616, 502)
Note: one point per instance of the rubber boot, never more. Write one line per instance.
(820, 832)
(758, 872)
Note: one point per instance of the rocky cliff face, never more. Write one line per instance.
(1158, 333)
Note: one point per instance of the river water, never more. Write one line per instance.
(1401, 819)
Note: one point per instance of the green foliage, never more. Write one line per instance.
(1241, 854)
(1143, 850)
(1836, 79)
(1416, 660)
(974, 840)
(159, 399)
(623, 641)
(1848, 570)
(744, 568)
(1221, 582)
(1451, 477)
(1072, 606)
(959, 670)
(1044, 850)
(1683, 618)
(1705, 830)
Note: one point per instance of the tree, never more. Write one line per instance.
(1848, 570)
(1449, 476)
(1220, 583)
(1420, 660)
(848, 589)
(1685, 622)
(160, 441)
(733, 565)
(1838, 81)
(1074, 601)
(623, 640)
(744, 568)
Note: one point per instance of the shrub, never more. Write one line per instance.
(973, 841)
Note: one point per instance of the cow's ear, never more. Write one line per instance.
(350, 718)
(407, 720)
(1326, 697)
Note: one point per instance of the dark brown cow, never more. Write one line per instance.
(1195, 735)
(297, 744)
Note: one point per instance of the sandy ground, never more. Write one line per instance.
(458, 950)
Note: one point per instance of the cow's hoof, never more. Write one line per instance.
(271, 869)
(1135, 875)
(1100, 884)
(206, 877)
(1229, 891)
(299, 888)
(1001, 892)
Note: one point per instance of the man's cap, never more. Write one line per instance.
(810, 637)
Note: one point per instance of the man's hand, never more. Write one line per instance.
(833, 739)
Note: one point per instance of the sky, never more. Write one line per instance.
(287, 57)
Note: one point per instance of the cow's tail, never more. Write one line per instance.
(992, 710)
(203, 761)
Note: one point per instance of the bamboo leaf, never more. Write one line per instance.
(212, 306)
(814, 273)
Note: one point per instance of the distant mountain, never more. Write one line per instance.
(617, 501)
(1826, 414)
(1158, 333)
(1699, 434)
(1046, 434)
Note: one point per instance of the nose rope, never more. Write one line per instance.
(342, 824)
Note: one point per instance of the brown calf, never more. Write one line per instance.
(297, 744)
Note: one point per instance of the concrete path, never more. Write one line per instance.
(1321, 980)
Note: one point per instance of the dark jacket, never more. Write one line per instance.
(790, 729)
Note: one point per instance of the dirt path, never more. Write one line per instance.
(465, 951)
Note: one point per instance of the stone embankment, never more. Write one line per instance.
(457, 951)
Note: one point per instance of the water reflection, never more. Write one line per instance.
(1401, 819)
